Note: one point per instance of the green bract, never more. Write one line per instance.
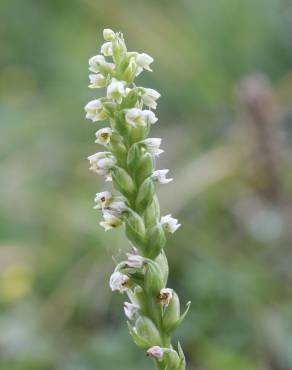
(127, 159)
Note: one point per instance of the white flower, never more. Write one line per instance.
(155, 352)
(135, 117)
(149, 117)
(103, 136)
(169, 223)
(149, 97)
(98, 63)
(107, 49)
(102, 198)
(114, 208)
(119, 281)
(94, 111)
(116, 90)
(144, 60)
(165, 296)
(160, 176)
(108, 34)
(152, 145)
(135, 261)
(101, 163)
(131, 310)
(110, 221)
(97, 81)
(95, 62)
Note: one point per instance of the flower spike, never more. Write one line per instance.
(128, 160)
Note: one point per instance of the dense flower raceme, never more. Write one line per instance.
(128, 159)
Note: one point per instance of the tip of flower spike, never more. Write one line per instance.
(108, 34)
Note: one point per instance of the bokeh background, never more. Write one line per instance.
(224, 69)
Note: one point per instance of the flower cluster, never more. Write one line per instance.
(128, 160)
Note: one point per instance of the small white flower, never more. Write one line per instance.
(165, 296)
(102, 199)
(144, 60)
(116, 90)
(160, 176)
(97, 81)
(98, 63)
(95, 111)
(101, 163)
(95, 62)
(103, 136)
(131, 310)
(149, 97)
(135, 117)
(114, 208)
(135, 261)
(110, 222)
(169, 223)
(153, 146)
(155, 352)
(108, 34)
(149, 116)
(119, 281)
(107, 49)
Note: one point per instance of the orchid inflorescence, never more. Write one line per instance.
(128, 160)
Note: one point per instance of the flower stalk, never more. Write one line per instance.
(128, 160)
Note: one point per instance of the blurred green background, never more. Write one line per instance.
(227, 144)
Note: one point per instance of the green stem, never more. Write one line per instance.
(159, 365)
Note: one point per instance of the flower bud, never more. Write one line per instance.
(119, 149)
(155, 240)
(146, 329)
(153, 281)
(131, 99)
(162, 263)
(173, 360)
(152, 212)
(119, 49)
(108, 34)
(135, 228)
(145, 195)
(144, 168)
(123, 181)
(133, 158)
